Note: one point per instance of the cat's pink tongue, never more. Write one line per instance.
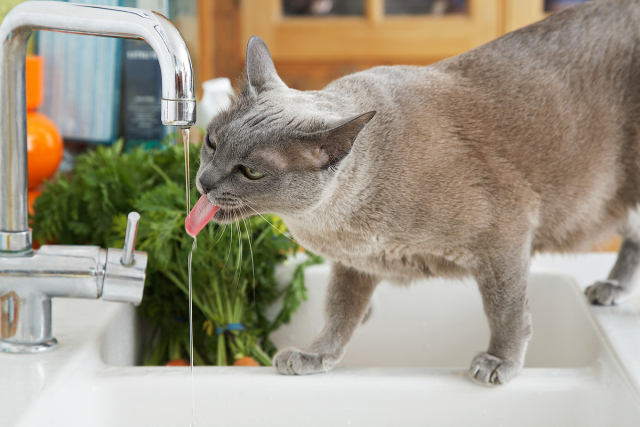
(200, 215)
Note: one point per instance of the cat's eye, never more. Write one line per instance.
(211, 143)
(252, 174)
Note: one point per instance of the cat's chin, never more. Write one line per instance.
(227, 215)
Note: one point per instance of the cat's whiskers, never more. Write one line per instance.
(239, 263)
(235, 271)
(244, 212)
(275, 228)
(229, 253)
(253, 270)
(221, 234)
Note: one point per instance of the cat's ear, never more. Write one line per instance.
(328, 147)
(260, 69)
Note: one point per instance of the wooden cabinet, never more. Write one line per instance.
(520, 13)
(372, 37)
(310, 51)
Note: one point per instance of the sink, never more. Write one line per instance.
(405, 366)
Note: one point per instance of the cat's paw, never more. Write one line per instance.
(490, 370)
(606, 293)
(292, 361)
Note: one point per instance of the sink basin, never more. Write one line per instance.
(406, 366)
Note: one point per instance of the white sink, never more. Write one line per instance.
(405, 367)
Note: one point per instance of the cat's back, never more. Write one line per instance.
(399, 85)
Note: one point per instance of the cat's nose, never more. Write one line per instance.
(206, 189)
(206, 185)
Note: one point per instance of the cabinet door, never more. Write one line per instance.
(370, 36)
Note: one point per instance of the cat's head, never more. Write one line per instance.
(275, 149)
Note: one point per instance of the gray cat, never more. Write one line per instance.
(466, 167)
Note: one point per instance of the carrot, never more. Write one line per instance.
(177, 362)
(246, 361)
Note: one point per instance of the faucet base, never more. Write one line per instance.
(22, 348)
(16, 243)
(25, 322)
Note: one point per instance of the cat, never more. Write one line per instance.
(465, 167)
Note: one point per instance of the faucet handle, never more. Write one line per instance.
(130, 239)
(124, 272)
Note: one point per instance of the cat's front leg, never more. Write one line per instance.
(503, 285)
(346, 305)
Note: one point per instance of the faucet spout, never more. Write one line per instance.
(178, 100)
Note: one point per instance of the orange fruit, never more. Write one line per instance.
(246, 361)
(177, 362)
(44, 148)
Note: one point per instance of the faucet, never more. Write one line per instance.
(28, 278)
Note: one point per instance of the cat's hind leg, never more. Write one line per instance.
(624, 277)
(347, 302)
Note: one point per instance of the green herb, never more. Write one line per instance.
(233, 266)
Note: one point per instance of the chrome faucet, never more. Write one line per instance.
(28, 278)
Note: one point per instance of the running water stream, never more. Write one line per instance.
(185, 140)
